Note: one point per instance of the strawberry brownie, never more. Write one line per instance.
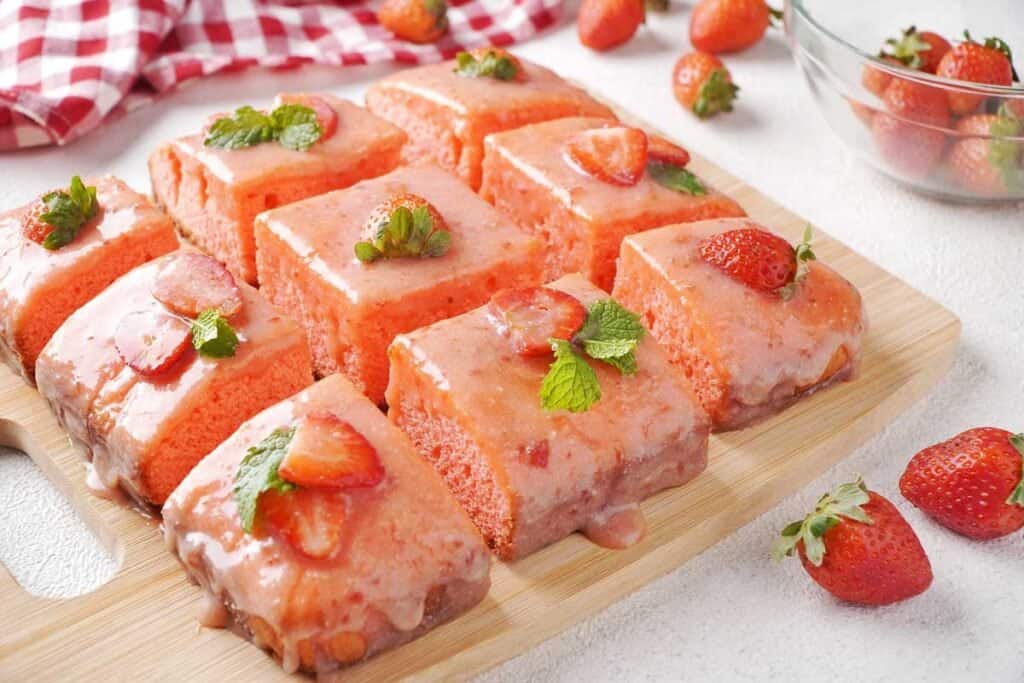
(64, 248)
(358, 266)
(449, 108)
(754, 323)
(213, 184)
(548, 411)
(582, 184)
(163, 365)
(317, 532)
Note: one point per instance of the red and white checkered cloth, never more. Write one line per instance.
(66, 65)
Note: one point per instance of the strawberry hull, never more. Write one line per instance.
(405, 558)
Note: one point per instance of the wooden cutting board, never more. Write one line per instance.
(142, 622)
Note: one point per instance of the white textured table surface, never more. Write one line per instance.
(729, 614)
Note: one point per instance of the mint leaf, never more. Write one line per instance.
(676, 178)
(626, 363)
(68, 212)
(601, 349)
(212, 335)
(247, 127)
(491, 64)
(571, 384)
(258, 473)
(297, 126)
(608, 320)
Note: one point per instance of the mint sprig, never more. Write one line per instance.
(67, 212)
(407, 232)
(609, 334)
(490, 64)
(258, 472)
(844, 501)
(213, 336)
(676, 178)
(293, 126)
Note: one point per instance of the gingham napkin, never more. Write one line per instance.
(67, 65)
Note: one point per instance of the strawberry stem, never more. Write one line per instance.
(716, 94)
(1017, 496)
(843, 501)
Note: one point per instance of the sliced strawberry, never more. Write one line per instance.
(753, 256)
(660, 149)
(189, 283)
(32, 225)
(328, 452)
(309, 520)
(325, 114)
(530, 316)
(150, 342)
(615, 155)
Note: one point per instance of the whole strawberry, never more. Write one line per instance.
(756, 258)
(989, 62)
(913, 101)
(874, 79)
(971, 483)
(987, 165)
(920, 50)
(857, 546)
(910, 148)
(418, 21)
(728, 25)
(604, 24)
(702, 84)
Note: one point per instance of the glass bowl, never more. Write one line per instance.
(970, 157)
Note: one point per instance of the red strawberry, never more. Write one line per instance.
(530, 316)
(921, 50)
(309, 520)
(752, 256)
(615, 155)
(32, 225)
(988, 62)
(702, 84)
(661, 150)
(914, 101)
(325, 114)
(909, 148)
(982, 164)
(857, 546)
(381, 214)
(190, 283)
(418, 21)
(150, 342)
(328, 452)
(728, 25)
(874, 79)
(971, 483)
(604, 24)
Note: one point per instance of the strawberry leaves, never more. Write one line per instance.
(408, 232)
(258, 472)
(803, 253)
(488, 64)
(1017, 496)
(843, 502)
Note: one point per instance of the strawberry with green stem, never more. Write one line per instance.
(989, 62)
(702, 84)
(759, 259)
(919, 50)
(404, 226)
(856, 545)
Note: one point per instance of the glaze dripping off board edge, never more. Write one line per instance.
(149, 607)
